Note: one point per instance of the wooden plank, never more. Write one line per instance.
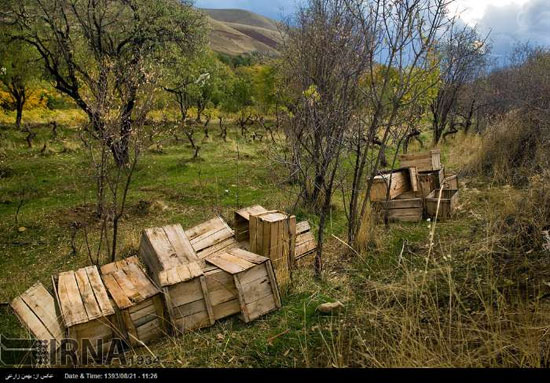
(261, 307)
(164, 253)
(99, 291)
(140, 280)
(186, 292)
(211, 238)
(292, 249)
(121, 300)
(221, 287)
(230, 263)
(266, 242)
(39, 300)
(256, 290)
(252, 274)
(71, 302)
(190, 309)
(242, 302)
(181, 244)
(205, 227)
(193, 322)
(224, 245)
(248, 256)
(274, 284)
(207, 301)
(225, 309)
(251, 210)
(302, 227)
(252, 228)
(413, 173)
(29, 319)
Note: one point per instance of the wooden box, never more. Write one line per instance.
(254, 280)
(405, 208)
(429, 181)
(222, 291)
(36, 310)
(176, 268)
(427, 161)
(273, 235)
(306, 244)
(139, 302)
(242, 218)
(398, 182)
(85, 307)
(210, 237)
(449, 201)
(451, 183)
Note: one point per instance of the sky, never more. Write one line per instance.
(508, 22)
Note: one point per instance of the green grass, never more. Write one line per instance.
(401, 309)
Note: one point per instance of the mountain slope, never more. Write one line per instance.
(236, 31)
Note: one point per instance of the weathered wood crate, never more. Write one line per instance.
(36, 310)
(176, 268)
(397, 182)
(405, 208)
(222, 291)
(242, 219)
(254, 281)
(448, 204)
(427, 161)
(429, 181)
(211, 237)
(139, 301)
(85, 307)
(306, 244)
(273, 235)
(451, 183)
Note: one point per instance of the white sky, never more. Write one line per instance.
(471, 11)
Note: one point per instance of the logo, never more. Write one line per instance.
(16, 352)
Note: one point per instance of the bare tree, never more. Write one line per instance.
(324, 55)
(462, 61)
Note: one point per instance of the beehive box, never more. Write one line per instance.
(85, 307)
(273, 235)
(139, 302)
(254, 280)
(222, 291)
(306, 244)
(448, 204)
(427, 161)
(429, 181)
(398, 182)
(210, 237)
(242, 219)
(36, 310)
(405, 208)
(451, 183)
(177, 269)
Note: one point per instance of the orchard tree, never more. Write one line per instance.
(105, 55)
(20, 72)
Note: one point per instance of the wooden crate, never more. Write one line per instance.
(179, 274)
(222, 291)
(254, 280)
(273, 235)
(429, 181)
(448, 204)
(451, 183)
(398, 182)
(85, 307)
(139, 301)
(36, 310)
(242, 218)
(211, 237)
(306, 244)
(427, 161)
(405, 208)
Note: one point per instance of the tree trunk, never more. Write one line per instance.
(19, 113)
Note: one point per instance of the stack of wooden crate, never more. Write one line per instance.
(412, 192)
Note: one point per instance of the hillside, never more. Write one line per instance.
(235, 32)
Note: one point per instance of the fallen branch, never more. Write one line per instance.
(270, 340)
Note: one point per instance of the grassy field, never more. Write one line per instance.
(469, 303)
